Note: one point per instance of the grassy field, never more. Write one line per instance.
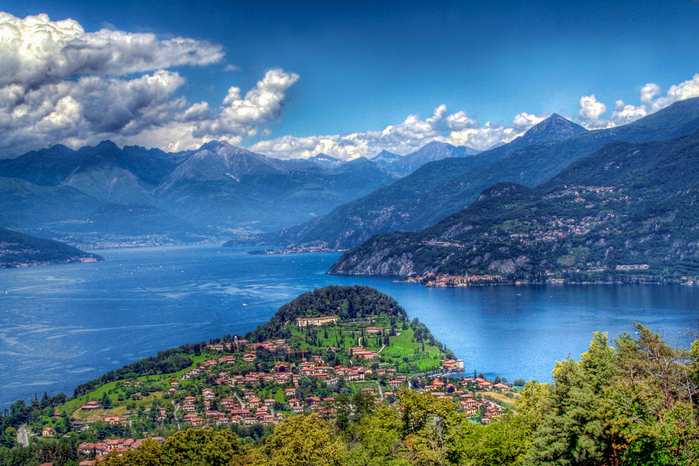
(501, 399)
(72, 407)
(403, 352)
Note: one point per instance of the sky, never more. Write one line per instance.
(296, 78)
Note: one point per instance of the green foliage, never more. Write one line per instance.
(633, 405)
(165, 362)
(303, 440)
(347, 302)
(203, 447)
(644, 214)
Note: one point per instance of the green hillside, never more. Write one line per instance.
(19, 250)
(442, 188)
(626, 213)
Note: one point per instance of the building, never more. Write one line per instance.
(323, 320)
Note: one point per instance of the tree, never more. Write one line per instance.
(364, 403)
(148, 454)
(201, 447)
(379, 440)
(303, 440)
(432, 429)
(573, 431)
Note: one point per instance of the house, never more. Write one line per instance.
(91, 406)
(48, 432)
(86, 448)
(316, 321)
(254, 402)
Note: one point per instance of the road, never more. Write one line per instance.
(177, 408)
(23, 435)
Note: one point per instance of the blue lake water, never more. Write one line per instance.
(64, 325)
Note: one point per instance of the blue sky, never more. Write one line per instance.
(364, 66)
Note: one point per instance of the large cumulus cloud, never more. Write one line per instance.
(60, 84)
(36, 50)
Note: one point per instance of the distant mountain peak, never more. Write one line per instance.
(214, 145)
(322, 156)
(554, 128)
(107, 144)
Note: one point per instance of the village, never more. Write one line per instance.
(228, 388)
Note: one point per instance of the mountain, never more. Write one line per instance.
(441, 188)
(31, 207)
(326, 161)
(19, 250)
(55, 165)
(226, 187)
(386, 158)
(430, 152)
(628, 212)
(383, 211)
(81, 195)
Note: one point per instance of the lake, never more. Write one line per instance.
(64, 325)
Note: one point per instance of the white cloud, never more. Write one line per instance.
(243, 117)
(459, 129)
(36, 50)
(404, 138)
(590, 112)
(59, 84)
(651, 101)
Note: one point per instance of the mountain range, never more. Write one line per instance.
(626, 213)
(430, 152)
(103, 194)
(441, 188)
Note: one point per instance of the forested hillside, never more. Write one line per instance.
(442, 188)
(626, 213)
(18, 250)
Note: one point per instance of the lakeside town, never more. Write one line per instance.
(248, 386)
